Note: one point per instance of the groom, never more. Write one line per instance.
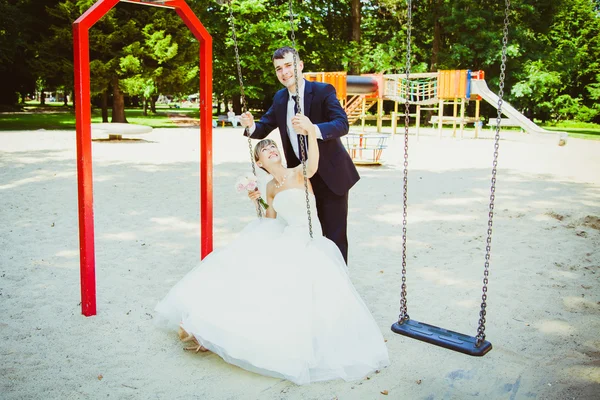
(320, 106)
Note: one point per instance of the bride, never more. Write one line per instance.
(274, 301)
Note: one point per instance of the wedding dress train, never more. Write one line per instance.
(278, 303)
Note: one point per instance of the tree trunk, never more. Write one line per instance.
(104, 105)
(237, 104)
(145, 103)
(356, 8)
(118, 108)
(153, 100)
(437, 35)
(43, 98)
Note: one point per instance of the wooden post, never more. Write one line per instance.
(454, 115)
(462, 116)
(394, 117)
(379, 115)
(477, 121)
(362, 115)
(418, 119)
(440, 117)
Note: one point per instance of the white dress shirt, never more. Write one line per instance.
(290, 114)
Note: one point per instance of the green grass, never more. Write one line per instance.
(574, 124)
(576, 129)
(57, 117)
(35, 121)
(158, 120)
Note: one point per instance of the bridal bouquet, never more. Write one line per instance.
(249, 184)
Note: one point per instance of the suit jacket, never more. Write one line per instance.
(322, 107)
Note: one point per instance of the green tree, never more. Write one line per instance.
(22, 24)
(53, 61)
(142, 52)
(554, 81)
(164, 59)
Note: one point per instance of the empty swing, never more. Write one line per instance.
(303, 145)
(471, 345)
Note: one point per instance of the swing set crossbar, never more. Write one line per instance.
(442, 337)
(153, 3)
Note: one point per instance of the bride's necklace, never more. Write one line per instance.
(278, 185)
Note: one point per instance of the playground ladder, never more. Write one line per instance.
(357, 106)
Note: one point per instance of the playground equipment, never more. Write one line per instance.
(81, 58)
(365, 149)
(479, 87)
(426, 91)
(432, 91)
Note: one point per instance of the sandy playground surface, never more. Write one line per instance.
(544, 292)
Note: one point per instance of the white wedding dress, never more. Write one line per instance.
(277, 303)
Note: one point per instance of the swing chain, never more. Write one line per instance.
(488, 247)
(403, 302)
(303, 155)
(293, 38)
(237, 57)
(259, 211)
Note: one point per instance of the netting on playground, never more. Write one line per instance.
(420, 89)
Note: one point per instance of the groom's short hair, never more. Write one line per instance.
(280, 53)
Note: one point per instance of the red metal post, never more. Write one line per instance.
(81, 64)
(84, 137)
(206, 151)
(84, 170)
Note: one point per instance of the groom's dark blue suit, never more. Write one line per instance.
(336, 173)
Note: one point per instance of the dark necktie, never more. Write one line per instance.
(295, 104)
(304, 137)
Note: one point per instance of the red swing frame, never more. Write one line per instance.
(81, 55)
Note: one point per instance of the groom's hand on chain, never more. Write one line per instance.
(302, 125)
(247, 119)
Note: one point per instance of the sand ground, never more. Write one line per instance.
(544, 292)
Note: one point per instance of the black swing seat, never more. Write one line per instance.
(442, 337)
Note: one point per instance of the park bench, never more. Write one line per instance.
(224, 119)
(504, 123)
(447, 120)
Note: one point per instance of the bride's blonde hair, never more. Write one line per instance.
(261, 145)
